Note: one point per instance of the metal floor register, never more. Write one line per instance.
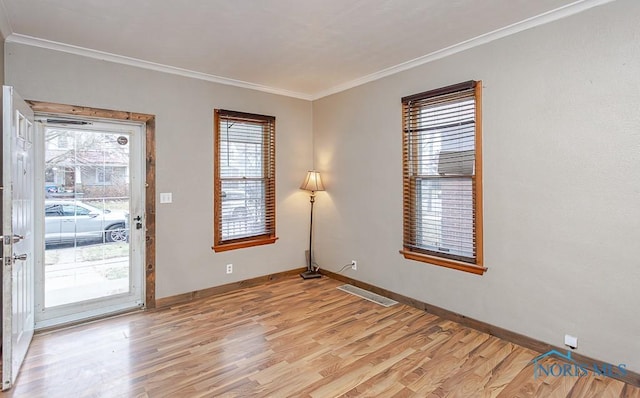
(367, 295)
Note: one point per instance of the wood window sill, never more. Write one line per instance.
(442, 262)
(245, 243)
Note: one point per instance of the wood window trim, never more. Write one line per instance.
(245, 243)
(150, 172)
(443, 262)
(269, 163)
(409, 254)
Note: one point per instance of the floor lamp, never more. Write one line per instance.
(313, 183)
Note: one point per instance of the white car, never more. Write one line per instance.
(69, 221)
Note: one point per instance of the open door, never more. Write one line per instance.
(17, 233)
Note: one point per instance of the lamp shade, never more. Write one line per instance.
(312, 182)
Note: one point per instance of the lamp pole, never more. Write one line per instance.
(312, 183)
(312, 199)
(310, 273)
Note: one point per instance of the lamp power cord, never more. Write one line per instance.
(345, 267)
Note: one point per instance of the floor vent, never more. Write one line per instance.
(367, 295)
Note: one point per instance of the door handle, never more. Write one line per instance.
(20, 257)
(16, 238)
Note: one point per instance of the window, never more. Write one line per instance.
(50, 175)
(244, 180)
(104, 175)
(72, 211)
(53, 211)
(63, 141)
(442, 177)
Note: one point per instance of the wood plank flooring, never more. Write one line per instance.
(289, 338)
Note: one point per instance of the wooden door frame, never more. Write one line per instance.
(150, 187)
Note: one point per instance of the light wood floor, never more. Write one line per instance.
(289, 338)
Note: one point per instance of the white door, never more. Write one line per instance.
(17, 231)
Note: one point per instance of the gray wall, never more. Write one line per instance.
(184, 145)
(1, 59)
(1, 83)
(561, 188)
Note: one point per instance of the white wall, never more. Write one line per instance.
(561, 188)
(184, 152)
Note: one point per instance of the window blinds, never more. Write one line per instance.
(244, 177)
(440, 167)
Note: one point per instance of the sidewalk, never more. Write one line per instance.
(86, 272)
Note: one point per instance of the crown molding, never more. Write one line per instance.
(121, 59)
(541, 19)
(5, 25)
(544, 18)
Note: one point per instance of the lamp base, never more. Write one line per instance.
(310, 275)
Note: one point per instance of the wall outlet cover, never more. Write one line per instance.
(570, 341)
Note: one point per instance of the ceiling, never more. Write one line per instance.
(302, 48)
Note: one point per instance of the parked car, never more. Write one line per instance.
(68, 221)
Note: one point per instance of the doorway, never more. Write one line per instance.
(90, 216)
(23, 202)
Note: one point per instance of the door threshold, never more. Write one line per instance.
(87, 321)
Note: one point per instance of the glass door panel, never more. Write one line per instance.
(90, 193)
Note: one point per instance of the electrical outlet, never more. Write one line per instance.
(354, 265)
(571, 341)
(229, 268)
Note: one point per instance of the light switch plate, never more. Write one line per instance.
(166, 197)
